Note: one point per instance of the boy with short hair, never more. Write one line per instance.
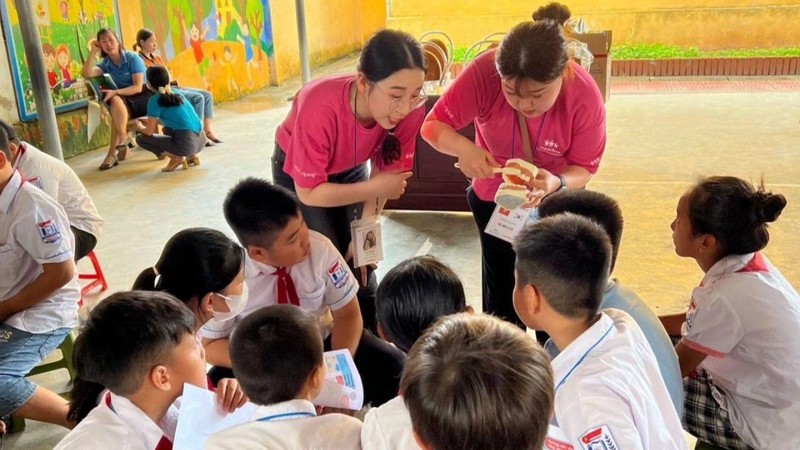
(277, 357)
(39, 291)
(606, 212)
(288, 264)
(413, 295)
(60, 182)
(609, 390)
(475, 381)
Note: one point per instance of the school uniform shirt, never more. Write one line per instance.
(621, 297)
(181, 117)
(322, 137)
(388, 427)
(34, 230)
(609, 391)
(290, 425)
(323, 282)
(572, 132)
(60, 182)
(122, 74)
(746, 317)
(116, 423)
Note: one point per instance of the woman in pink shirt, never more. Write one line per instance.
(530, 77)
(348, 143)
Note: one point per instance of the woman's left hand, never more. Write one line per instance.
(230, 395)
(544, 184)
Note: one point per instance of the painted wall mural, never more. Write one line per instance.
(65, 26)
(225, 46)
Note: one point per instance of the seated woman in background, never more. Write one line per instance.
(183, 134)
(201, 100)
(130, 98)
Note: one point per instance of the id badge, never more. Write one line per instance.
(367, 239)
(506, 224)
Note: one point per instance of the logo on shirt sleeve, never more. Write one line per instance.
(49, 232)
(338, 274)
(599, 439)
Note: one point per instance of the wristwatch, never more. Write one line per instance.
(563, 183)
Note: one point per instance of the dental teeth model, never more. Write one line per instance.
(517, 174)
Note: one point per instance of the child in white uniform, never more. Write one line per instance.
(288, 264)
(132, 359)
(474, 381)
(740, 349)
(609, 390)
(277, 356)
(413, 295)
(39, 291)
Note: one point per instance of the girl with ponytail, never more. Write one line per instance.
(132, 358)
(348, 143)
(739, 349)
(183, 134)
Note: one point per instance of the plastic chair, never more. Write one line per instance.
(98, 279)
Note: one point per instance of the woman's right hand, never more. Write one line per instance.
(390, 185)
(94, 46)
(476, 162)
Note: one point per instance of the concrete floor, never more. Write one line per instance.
(658, 144)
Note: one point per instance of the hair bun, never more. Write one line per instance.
(553, 11)
(768, 206)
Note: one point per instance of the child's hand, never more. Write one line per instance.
(230, 395)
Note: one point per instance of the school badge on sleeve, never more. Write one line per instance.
(338, 274)
(49, 231)
(599, 439)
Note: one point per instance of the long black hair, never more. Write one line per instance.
(125, 336)
(100, 34)
(194, 262)
(387, 52)
(142, 35)
(158, 79)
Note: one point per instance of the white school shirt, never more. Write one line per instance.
(60, 182)
(323, 282)
(610, 393)
(746, 317)
(122, 426)
(290, 425)
(388, 427)
(33, 231)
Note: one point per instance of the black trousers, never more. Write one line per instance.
(379, 364)
(497, 267)
(84, 242)
(334, 223)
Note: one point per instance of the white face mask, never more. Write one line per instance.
(236, 304)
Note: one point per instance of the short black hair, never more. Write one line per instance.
(413, 295)
(475, 381)
(567, 258)
(258, 211)
(4, 147)
(11, 132)
(125, 336)
(274, 351)
(591, 204)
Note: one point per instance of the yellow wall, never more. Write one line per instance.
(335, 28)
(707, 24)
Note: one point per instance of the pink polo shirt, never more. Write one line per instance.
(321, 136)
(572, 132)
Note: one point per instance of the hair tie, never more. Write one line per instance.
(155, 271)
(162, 90)
(168, 88)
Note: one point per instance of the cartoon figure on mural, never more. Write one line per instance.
(50, 63)
(196, 39)
(63, 5)
(64, 60)
(248, 50)
(228, 60)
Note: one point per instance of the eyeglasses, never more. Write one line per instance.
(395, 103)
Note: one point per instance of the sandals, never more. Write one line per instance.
(193, 160)
(174, 163)
(214, 139)
(122, 151)
(106, 166)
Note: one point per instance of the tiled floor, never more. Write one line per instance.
(658, 143)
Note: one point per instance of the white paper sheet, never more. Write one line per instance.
(200, 416)
(94, 119)
(343, 387)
